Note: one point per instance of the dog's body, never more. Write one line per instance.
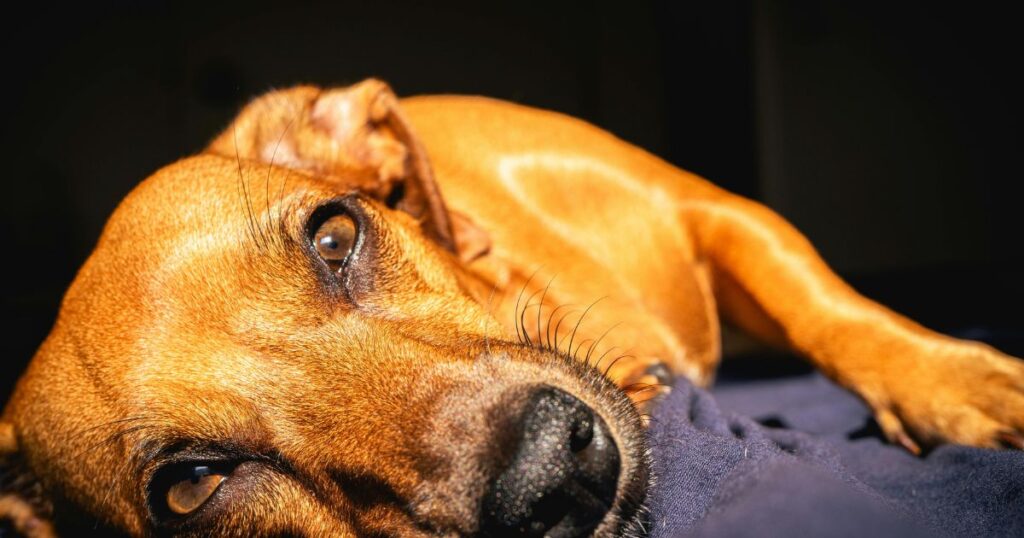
(375, 393)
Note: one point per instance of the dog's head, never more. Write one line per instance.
(252, 350)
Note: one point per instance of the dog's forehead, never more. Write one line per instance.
(207, 208)
(192, 232)
(209, 190)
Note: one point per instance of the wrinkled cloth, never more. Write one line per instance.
(799, 456)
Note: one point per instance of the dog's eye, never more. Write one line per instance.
(335, 239)
(185, 496)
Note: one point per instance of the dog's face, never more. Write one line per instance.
(256, 351)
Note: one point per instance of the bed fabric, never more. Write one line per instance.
(799, 457)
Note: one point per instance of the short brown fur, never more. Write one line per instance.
(201, 318)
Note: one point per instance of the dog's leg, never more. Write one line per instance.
(925, 388)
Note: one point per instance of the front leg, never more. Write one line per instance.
(925, 388)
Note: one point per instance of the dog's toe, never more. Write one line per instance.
(974, 398)
(661, 373)
(1011, 439)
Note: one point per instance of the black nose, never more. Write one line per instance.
(562, 475)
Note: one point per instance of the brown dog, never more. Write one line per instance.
(294, 333)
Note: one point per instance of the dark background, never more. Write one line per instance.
(889, 134)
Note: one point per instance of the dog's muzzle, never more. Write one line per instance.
(562, 473)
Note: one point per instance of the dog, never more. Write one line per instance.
(355, 315)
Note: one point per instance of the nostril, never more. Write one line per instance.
(582, 434)
(563, 473)
(595, 450)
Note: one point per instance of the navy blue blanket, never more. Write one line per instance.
(799, 457)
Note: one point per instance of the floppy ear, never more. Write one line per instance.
(368, 114)
(356, 136)
(419, 194)
(24, 510)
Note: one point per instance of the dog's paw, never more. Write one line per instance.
(645, 380)
(972, 397)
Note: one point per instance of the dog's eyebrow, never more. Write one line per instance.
(271, 229)
(174, 448)
(159, 438)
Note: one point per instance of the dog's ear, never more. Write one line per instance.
(356, 135)
(416, 192)
(368, 116)
(24, 509)
(471, 241)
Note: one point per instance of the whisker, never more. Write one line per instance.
(559, 324)
(617, 359)
(603, 355)
(522, 318)
(575, 354)
(270, 169)
(515, 317)
(579, 321)
(540, 307)
(598, 341)
(282, 232)
(645, 400)
(547, 330)
(642, 387)
(112, 438)
(241, 182)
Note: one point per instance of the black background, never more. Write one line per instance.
(889, 134)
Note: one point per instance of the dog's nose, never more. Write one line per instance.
(562, 475)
